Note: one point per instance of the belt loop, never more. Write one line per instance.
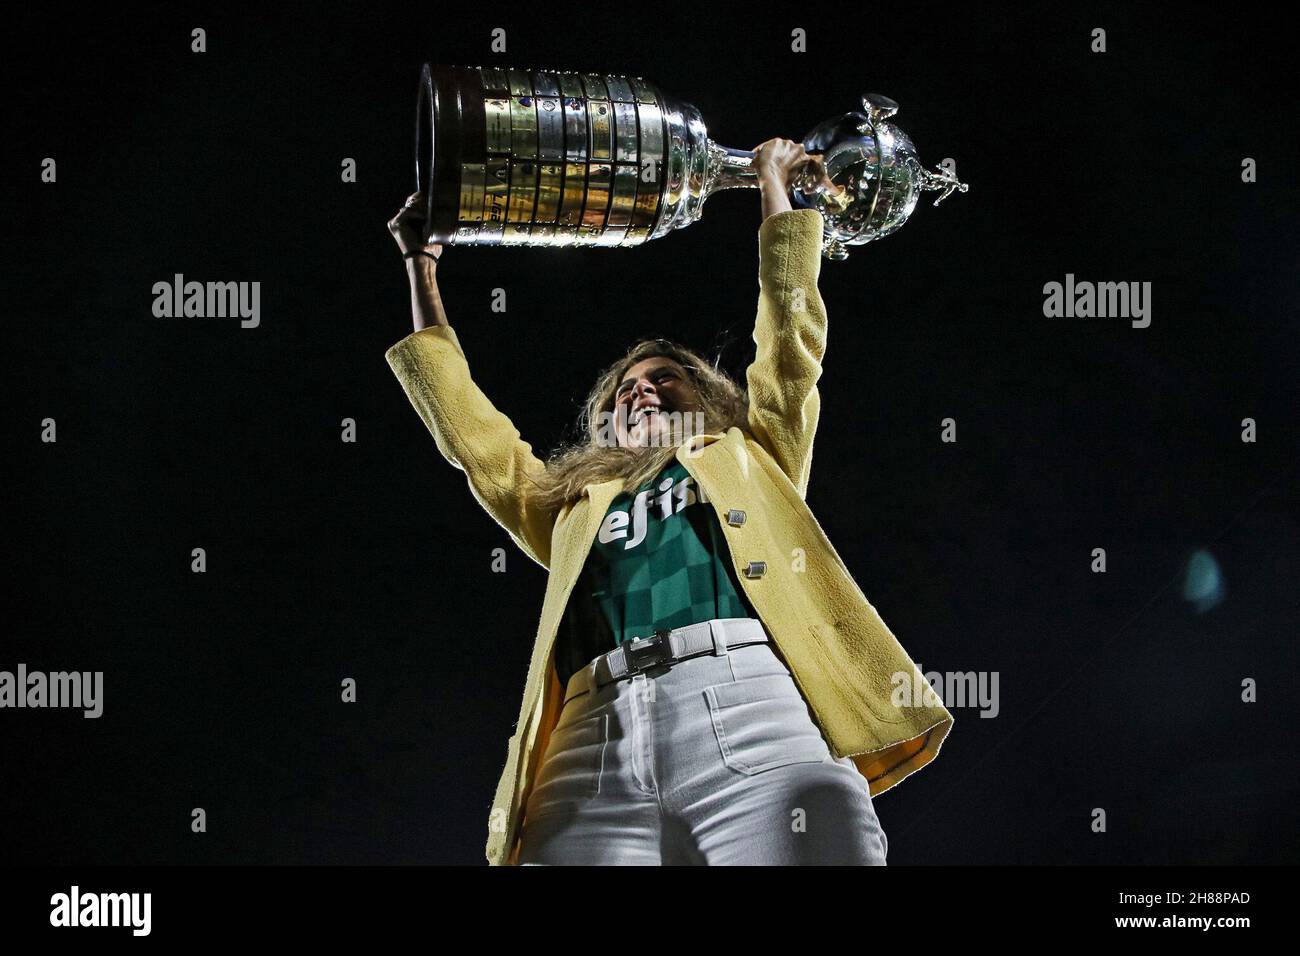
(719, 638)
(604, 669)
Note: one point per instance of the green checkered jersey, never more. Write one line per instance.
(659, 561)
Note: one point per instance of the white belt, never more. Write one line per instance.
(666, 647)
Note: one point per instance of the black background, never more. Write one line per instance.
(371, 560)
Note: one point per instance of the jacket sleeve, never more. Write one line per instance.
(790, 335)
(473, 435)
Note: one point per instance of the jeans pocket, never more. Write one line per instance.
(762, 723)
(574, 710)
(756, 660)
(572, 766)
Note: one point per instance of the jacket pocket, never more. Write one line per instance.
(762, 723)
(875, 690)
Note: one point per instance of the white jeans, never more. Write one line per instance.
(712, 760)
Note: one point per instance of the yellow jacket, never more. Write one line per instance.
(844, 659)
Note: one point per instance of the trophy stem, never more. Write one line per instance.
(734, 169)
(730, 169)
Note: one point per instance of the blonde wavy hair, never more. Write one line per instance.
(591, 460)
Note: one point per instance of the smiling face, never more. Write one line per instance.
(649, 388)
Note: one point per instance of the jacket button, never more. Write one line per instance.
(735, 517)
(755, 569)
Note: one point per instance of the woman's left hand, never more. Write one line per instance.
(779, 161)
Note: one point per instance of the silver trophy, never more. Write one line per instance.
(551, 158)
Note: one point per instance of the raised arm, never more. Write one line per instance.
(468, 429)
(790, 331)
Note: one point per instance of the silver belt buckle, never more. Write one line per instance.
(643, 652)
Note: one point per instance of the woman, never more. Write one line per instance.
(707, 685)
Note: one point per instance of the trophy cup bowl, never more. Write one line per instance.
(514, 157)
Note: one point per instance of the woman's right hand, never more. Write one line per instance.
(407, 227)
